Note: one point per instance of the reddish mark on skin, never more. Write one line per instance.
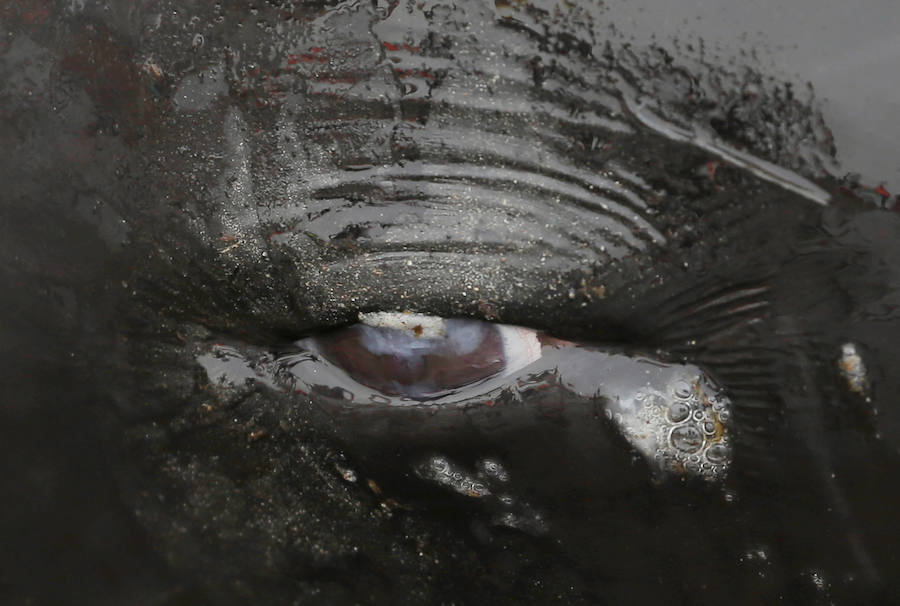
(854, 190)
(26, 11)
(110, 74)
(306, 58)
(415, 73)
(334, 94)
(404, 46)
(348, 79)
(38, 14)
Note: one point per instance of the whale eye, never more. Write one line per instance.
(423, 357)
(395, 375)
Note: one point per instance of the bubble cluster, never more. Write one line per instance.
(489, 484)
(493, 469)
(681, 426)
(440, 470)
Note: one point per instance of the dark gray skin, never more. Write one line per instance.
(254, 175)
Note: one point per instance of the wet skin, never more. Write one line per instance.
(179, 183)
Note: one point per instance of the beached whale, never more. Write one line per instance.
(228, 181)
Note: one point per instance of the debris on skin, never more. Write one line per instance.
(592, 290)
(877, 196)
(854, 370)
(489, 311)
(347, 474)
(387, 504)
(417, 325)
(151, 68)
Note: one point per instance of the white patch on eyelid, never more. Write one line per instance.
(521, 347)
(416, 325)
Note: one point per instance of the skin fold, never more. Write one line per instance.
(181, 178)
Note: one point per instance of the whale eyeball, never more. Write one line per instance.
(422, 357)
